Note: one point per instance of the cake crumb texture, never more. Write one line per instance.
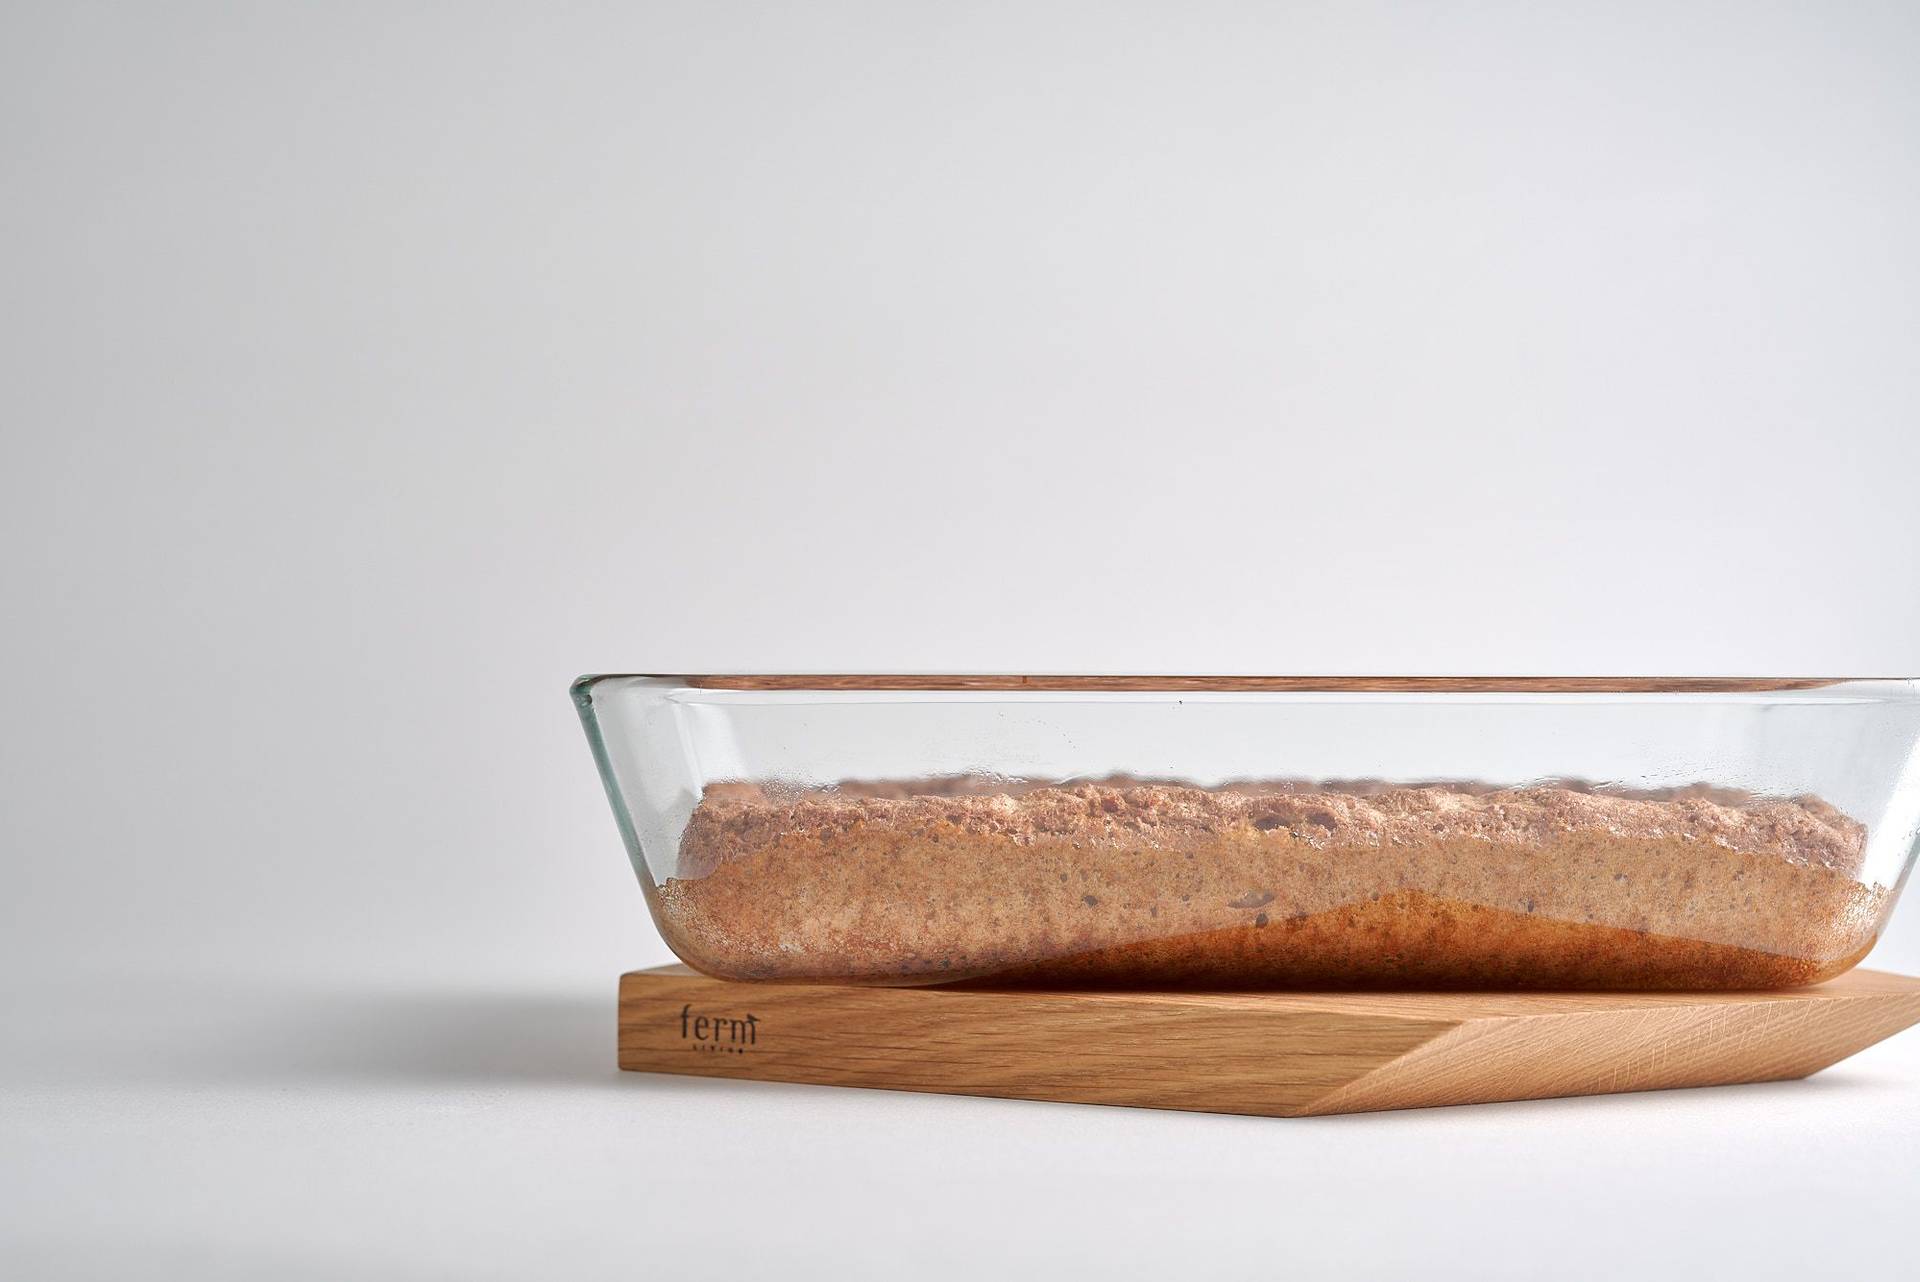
(1276, 884)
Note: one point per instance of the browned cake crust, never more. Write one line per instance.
(1280, 884)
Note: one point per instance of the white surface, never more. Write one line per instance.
(366, 372)
(231, 1131)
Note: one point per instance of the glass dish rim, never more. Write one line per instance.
(1896, 689)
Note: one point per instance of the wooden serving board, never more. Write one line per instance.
(1274, 1054)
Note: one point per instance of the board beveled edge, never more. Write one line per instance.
(1272, 1054)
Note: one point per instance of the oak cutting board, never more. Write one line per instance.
(1276, 1054)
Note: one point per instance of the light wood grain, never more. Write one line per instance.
(1255, 684)
(1274, 1054)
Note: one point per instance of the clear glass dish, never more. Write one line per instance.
(1264, 832)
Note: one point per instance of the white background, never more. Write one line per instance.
(368, 371)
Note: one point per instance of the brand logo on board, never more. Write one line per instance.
(718, 1034)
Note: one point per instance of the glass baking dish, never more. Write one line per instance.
(1264, 832)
